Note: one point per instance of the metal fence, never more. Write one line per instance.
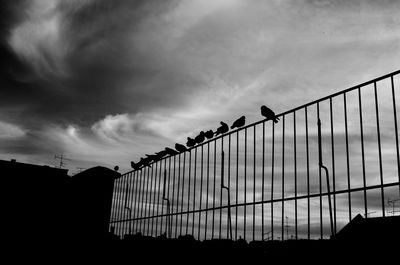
(304, 177)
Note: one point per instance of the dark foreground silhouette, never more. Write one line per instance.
(357, 241)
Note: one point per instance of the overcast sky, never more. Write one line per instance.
(104, 82)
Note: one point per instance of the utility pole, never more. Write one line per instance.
(393, 204)
(287, 227)
(62, 158)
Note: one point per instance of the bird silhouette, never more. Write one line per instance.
(200, 138)
(224, 128)
(209, 134)
(171, 151)
(269, 114)
(135, 166)
(144, 162)
(239, 122)
(180, 148)
(161, 154)
(190, 142)
(116, 168)
(152, 157)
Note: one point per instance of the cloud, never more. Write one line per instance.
(8, 130)
(147, 74)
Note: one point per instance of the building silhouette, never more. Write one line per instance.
(44, 205)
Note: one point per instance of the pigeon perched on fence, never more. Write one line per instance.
(161, 154)
(135, 166)
(239, 122)
(180, 148)
(152, 157)
(171, 151)
(200, 138)
(224, 128)
(190, 142)
(209, 134)
(144, 162)
(269, 114)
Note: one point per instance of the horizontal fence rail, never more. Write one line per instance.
(304, 177)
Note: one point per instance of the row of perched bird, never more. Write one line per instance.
(180, 148)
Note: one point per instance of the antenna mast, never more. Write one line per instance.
(62, 159)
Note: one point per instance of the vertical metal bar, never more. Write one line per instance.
(220, 194)
(118, 211)
(146, 220)
(146, 232)
(154, 197)
(308, 175)
(162, 197)
(183, 190)
(215, 172)
(165, 198)
(283, 177)
(123, 213)
(177, 196)
(396, 130)
(362, 153)
(333, 164)
(347, 154)
(272, 180)
(237, 183)
(129, 202)
(131, 184)
(263, 181)
(229, 231)
(168, 222)
(142, 200)
(137, 192)
(295, 174)
(120, 204)
(379, 149)
(115, 197)
(158, 197)
(254, 183)
(188, 201)
(194, 187)
(245, 183)
(321, 166)
(139, 200)
(320, 184)
(173, 195)
(135, 176)
(201, 193)
(115, 201)
(208, 179)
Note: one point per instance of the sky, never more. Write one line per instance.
(104, 82)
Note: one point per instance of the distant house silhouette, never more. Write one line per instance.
(43, 204)
(376, 230)
(35, 200)
(93, 190)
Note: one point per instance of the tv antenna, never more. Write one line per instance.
(287, 227)
(61, 158)
(393, 204)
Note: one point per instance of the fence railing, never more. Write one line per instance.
(304, 177)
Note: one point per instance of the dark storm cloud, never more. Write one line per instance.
(86, 65)
(132, 77)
